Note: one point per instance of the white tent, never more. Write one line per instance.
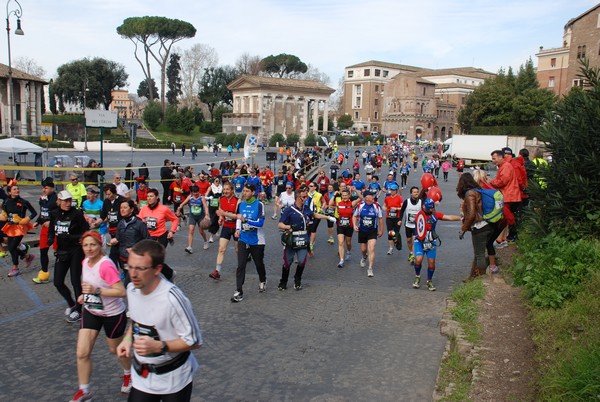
(15, 145)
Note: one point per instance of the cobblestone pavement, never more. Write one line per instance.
(344, 337)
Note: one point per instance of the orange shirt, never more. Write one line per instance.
(156, 219)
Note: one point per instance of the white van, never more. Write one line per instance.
(347, 133)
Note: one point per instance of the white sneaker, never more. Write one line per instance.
(274, 216)
(205, 246)
(348, 256)
(363, 262)
(68, 311)
(262, 287)
(370, 272)
(189, 250)
(390, 251)
(341, 264)
(210, 239)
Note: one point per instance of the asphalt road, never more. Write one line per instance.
(344, 337)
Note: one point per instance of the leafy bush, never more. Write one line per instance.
(345, 122)
(209, 127)
(310, 140)
(552, 268)
(276, 138)
(172, 117)
(292, 139)
(152, 115)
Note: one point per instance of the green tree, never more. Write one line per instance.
(96, 77)
(568, 201)
(218, 116)
(173, 79)
(283, 65)
(155, 36)
(143, 90)
(186, 120)
(276, 138)
(310, 140)
(198, 115)
(152, 115)
(51, 97)
(172, 117)
(292, 139)
(213, 88)
(345, 122)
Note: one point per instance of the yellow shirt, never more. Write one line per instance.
(78, 191)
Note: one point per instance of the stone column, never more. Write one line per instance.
(33, 105)
(325, 112)
(304, 124)
(22, 99)
(315, 116)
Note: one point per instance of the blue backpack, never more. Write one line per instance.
(492, 202)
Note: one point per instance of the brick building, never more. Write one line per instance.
(558, 68)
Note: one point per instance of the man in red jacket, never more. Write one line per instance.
(507, 179)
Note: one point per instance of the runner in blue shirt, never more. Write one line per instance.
(368, 222)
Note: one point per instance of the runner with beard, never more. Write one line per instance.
(410, 208)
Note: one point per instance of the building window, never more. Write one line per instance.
(17, 111)
(376, 88)
(350, 73)
(598, 23)
(357, 103)
(385, 73)
(376, 101)
(377, 72)
(358, 89)
(367, 72)
(578, 82)
(581, 52)
(424, 91)
(376, 115)
(356, 115)
(553, 62)
(551, 82)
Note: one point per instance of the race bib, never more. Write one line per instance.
(411, 218)
(177, 198)
(143, 203)
(393, 213)
(299, 242)
(93, 302)
(344, 221)
(112, 217)
(74, 202)
(44, 214)
(247, 228)
(214, 202)
(196, 209)
(61, 228)
(367, 221)
(151, 223)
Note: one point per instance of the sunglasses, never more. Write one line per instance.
(74, 179)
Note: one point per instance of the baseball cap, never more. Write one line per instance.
(93, 189)
(507, 151)
(65, 195)
(48, 182)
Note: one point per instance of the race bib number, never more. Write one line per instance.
(143, 203)
(151, 223)
(93, 302)
(145, 330)
(214, 202)
(238, 187)
(112, 218)
(177, 198)
(74, 203)
(44, 214)
(367, 221)
(411, 218)
(344, 221)
(299, 242)
(247, 228)
(393, 213)
(61, 228)
(196, 209)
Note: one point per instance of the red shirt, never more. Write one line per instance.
(203, 186)
(228, 205)
(345, 211)
(394, 202)
(142, 196)
(178, 191)
(323, 182)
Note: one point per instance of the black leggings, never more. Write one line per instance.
(258, 253)
(13, 248)
(184, 395)
(63, 264)
(44, 260)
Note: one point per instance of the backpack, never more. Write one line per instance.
(492, 203)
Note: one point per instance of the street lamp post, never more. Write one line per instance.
(85, 89)
(18, 12)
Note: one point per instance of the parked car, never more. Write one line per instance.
(347, 133)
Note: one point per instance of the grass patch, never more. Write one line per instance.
(568, 343)
(456, 371)
(466, 310)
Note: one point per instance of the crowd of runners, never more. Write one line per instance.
(115, 249)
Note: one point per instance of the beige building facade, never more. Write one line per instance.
(412, 102)
(123, 103)
(26, 105)
(265, 105)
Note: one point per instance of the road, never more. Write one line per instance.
(344, 337)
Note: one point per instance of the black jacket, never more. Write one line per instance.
(67, 227)
(129, 232)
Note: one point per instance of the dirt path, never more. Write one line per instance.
(507, 371)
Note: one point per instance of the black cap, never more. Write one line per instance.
(48, 182)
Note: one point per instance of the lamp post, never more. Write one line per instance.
(85, 89)
(18, 12)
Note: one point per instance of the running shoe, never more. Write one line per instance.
(68, 311)
(298, 286)
(330, 240)
(74, 317)
(81, 396)
(370, 272)
(205, 247)
(189, 250)
(14, 272)
(126, 387)
(500, 245)
(348, 256)
(494, 269)
(210, 239)
(262, 287)
(282, 286)
(43, 277)
(363, 262)
(430, 286)
(28, 259)
(237, 297)
(274, 216)
(341, 264)
(215, 275)
(417, 282)
(390, 251)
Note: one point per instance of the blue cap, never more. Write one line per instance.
(393, 186)
(289, 183)
(429, 203)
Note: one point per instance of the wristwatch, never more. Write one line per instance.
(164, 348)
(97, 292)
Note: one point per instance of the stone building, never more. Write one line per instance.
(27, 108)
(413, 102)
(558, 68)
(266, 105)
(123, 103)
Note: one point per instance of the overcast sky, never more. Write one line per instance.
(328, 34)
